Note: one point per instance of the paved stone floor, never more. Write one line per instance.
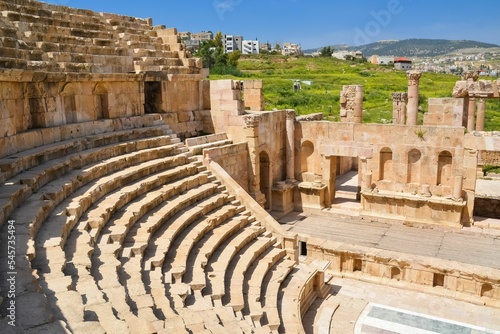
(368, 308)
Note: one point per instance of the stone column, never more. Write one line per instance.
(358, 105)
(481, 110)
(412, 112)
(251, 129)
(328, 178)
(399, 101)
(471, 113)
(457, 187)
(290, 146)
(470, 101)
(351, 104)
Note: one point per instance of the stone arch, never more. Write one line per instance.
(265, 177)
(357, 265)
(487, 290)
(101, 101)
(36, 106)
(306, 154)
(395, 273)
(385, 168)
(414, 166)
(445, 169)
(68, 97)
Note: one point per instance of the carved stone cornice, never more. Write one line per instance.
(290, 114)
(251, 121)
(413, 77)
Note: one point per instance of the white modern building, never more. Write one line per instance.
(232, 43)
(250, 47)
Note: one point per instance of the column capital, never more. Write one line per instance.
(251, 121)
(290, 114)
(400, 96)
(470, 75)
(413, 77)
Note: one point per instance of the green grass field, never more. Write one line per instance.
(329, 75)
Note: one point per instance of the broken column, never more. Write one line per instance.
(351, 104)
(470, 100)
(399, 101)
(251, 129)
(412, 112)
(290, 140)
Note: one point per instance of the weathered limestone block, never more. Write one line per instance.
(482, 88)
(351, 104)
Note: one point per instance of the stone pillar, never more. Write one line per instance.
(366, 185)
(412, 112)
(290, 146)
(457, 188)
(399, 101)
(329, 169)
(251, 129)
(351, 104)
(481, 110)
(358, 105)
(470, 101)
(471, 113)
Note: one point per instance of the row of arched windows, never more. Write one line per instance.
(414, 172)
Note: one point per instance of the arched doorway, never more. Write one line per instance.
(101, 101)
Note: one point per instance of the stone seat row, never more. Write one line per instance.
(197, 144)
(69, 16)
(73, 261)
(63, 155)
(91, 225)
(29, 279)
(112, 250)
(118, 229)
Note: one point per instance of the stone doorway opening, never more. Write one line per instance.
(265, 178)
(152, 97)
(347, 189)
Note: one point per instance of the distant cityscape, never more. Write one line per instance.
(486, 60)
(233, 43)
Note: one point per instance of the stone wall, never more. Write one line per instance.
(35, 100)
(431, 275)
(487, 207)
(491, 158)
(402, 161)
(445, 112)
(234, 160)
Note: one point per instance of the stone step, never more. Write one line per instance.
(255, 278)
(183, 193)
(219, 262)
(179, 214)
(235, 277)
(188, 239)
(22, 161)
(292, 289)
(270, 290)
(195, 275)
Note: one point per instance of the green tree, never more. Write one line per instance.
(326, 51)
(232, 58)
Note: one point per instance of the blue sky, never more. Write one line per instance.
(316, 23)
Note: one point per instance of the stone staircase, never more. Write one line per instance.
(127, 232)
(43, 37)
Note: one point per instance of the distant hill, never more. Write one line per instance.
(413, 47)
